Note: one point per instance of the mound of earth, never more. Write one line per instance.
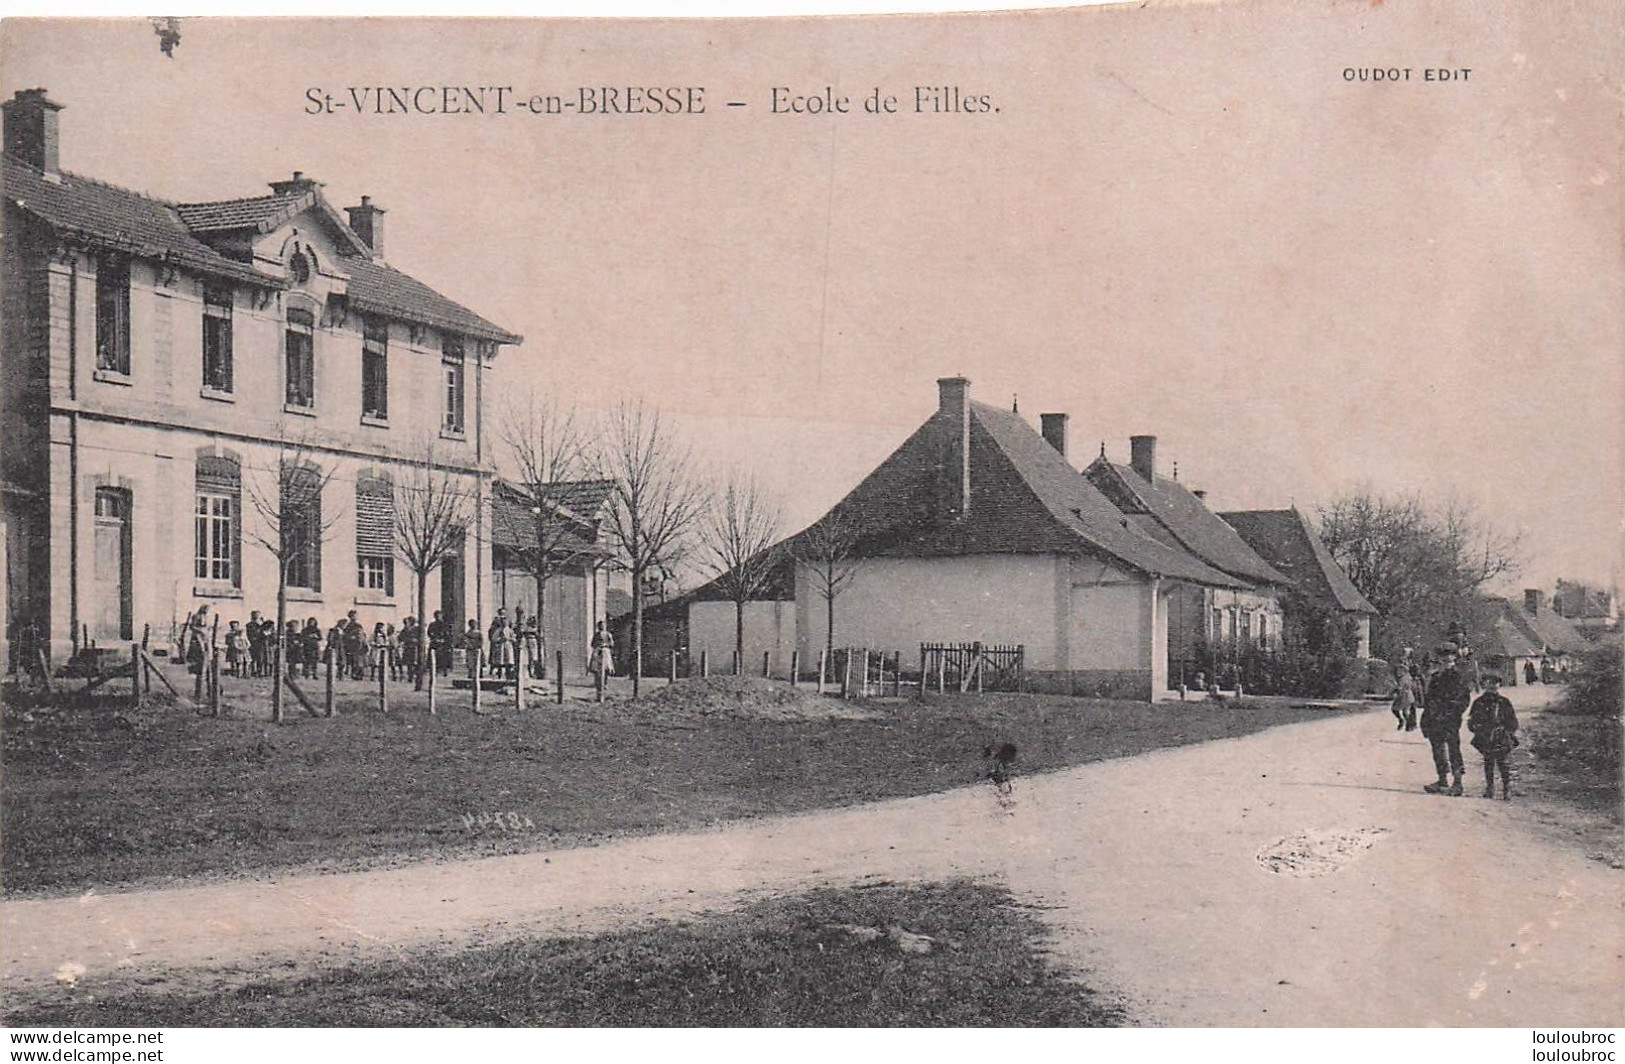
(745, 697)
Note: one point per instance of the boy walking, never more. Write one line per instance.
(1495, 732)
(1446, 702)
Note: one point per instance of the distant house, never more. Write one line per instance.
(576, 597)
(1511, 640)
(1593, 610)
(1285, 539)
(1227, 619)
(978, 529)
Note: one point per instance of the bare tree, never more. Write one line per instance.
(737, 536)
(1422, 566)
(292, 527)
(829, 551)
(432, 512)
(656, 502)
(545, 447)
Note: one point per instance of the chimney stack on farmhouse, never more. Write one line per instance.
(1532, 600)
(31, 130)
(1054, 429)
(953, 404)
(1143, 456)
(368, 222)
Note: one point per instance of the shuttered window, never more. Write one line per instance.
(375, 535)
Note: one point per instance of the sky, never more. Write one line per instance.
(1180, 221)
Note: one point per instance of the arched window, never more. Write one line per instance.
(218, 520)
(375, 534)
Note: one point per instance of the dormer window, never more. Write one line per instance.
(299, 268)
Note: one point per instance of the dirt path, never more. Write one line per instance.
(1393, 908)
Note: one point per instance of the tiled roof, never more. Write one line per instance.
(581, 501)
(383, 289)
(119, 218)
(260, 213)
(1497, 627)
(1285, 540)
(1025, 499)
(1185, 519)
(148, 227)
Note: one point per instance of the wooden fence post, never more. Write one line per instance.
(922, 671)
(214, 682)
(942, 671)
(434, 667)
(477, 666)
(767, 667)
(738, 665)
(863, 690)
(705, 663)
(146, 635)
(671, 675)
(795, 668)
(823, 668)
(897, 674)
(598, 678)
(383, 679)
(519, 678)
(558, 674)
(980, 661)
(135, 674)
(327, 692)
(846, 673)
(276, 679)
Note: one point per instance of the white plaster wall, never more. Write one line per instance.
(899, 603)
(769, 627)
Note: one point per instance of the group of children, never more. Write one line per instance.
(499, 651)
(1448, 698)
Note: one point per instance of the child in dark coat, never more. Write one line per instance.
(1495, 732)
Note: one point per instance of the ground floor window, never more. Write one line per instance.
(215, 539)
(375, 573)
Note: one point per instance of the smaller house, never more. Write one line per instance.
(1286, 540)
(1226, 619)
(1516, 642)
(575, 596)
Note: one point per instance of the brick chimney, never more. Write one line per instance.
(299, 183)
(1054, 429)
(31, 130)
(1143, 456)
(1532, 599)
(367, 220)
(953, 405)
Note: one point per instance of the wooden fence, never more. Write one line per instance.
(972, 667)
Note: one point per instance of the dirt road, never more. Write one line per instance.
(1385, 906)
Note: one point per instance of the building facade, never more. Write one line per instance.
(174, 374)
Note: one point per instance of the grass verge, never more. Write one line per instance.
(1574, 764)
(101, 796)
(960, 954)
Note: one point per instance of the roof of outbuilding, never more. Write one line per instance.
(118, 218)
(1025, 499)
(579, 503)
(1184, 517)
(1285, 540)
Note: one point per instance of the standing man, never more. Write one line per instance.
(256, 645)
(440, 641)
(1447, 698)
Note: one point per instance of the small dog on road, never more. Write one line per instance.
(1003, 758)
